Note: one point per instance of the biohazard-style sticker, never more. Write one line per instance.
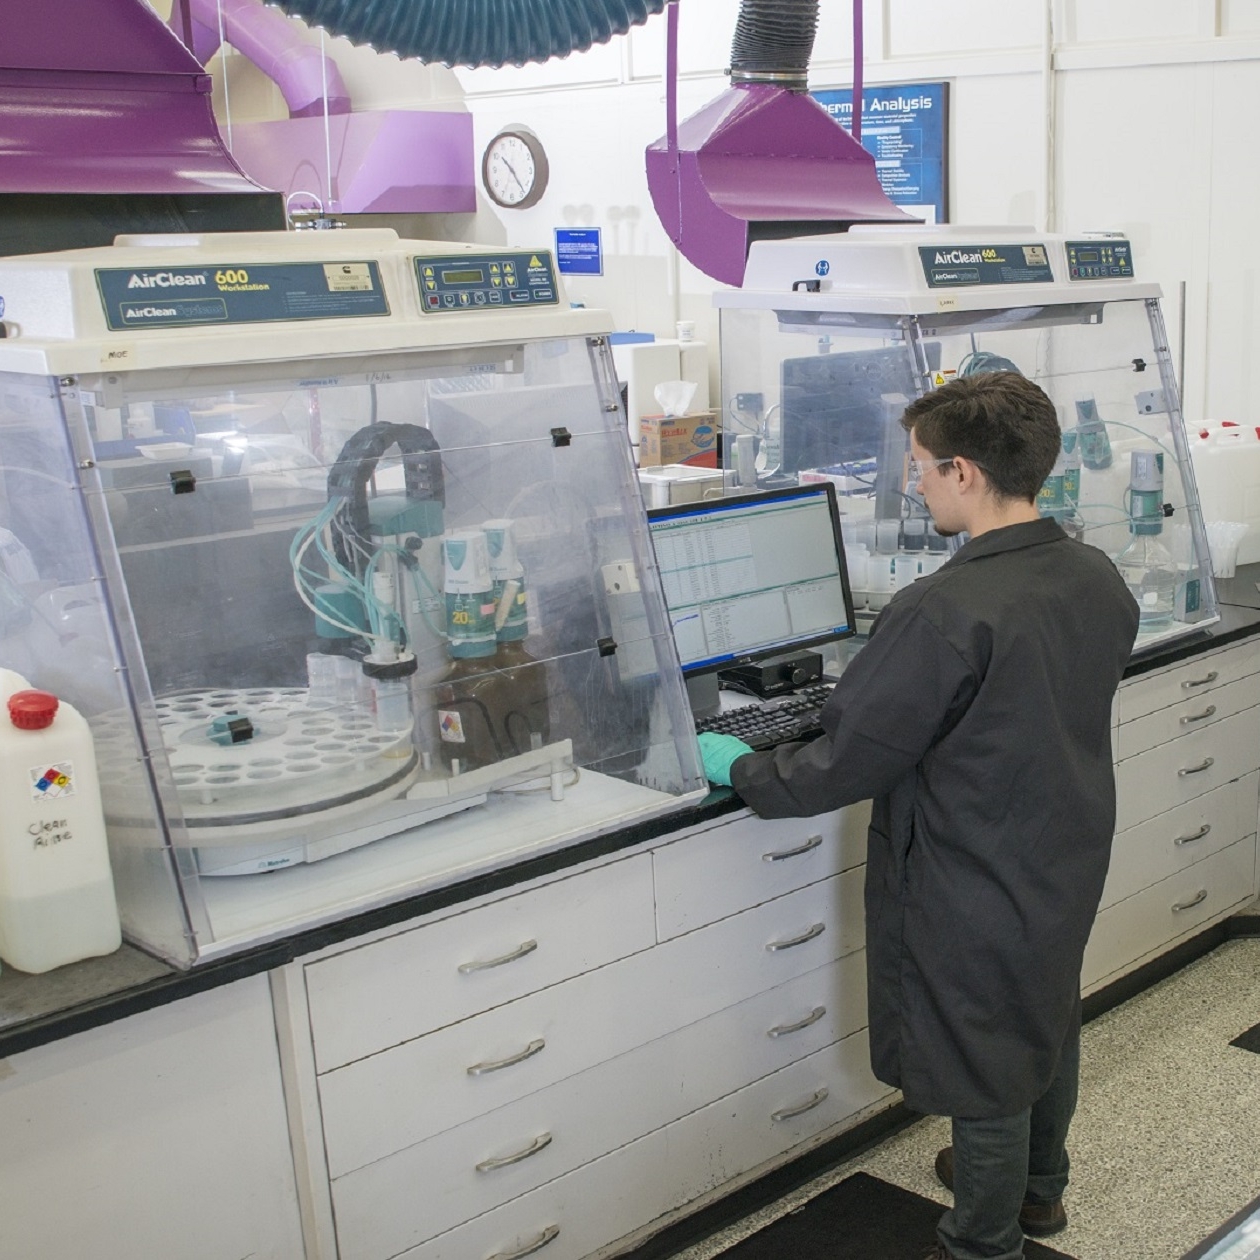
(52, 783)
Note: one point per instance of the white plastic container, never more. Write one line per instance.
(56, 892)
(1226, 459)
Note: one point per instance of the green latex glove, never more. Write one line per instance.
(718, 752)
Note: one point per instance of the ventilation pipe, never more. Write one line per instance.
(764, 160)
(309, 80)
(475, 32)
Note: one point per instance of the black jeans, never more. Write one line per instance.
(998, 1163)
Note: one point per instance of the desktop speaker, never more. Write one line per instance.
(776, 674)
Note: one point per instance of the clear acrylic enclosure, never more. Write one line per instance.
(820, 376)
(347, 622)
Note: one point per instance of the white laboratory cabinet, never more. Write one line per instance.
(161, 1135)
(635, 1035)
(1187, 747)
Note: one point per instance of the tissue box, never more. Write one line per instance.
(678, 440)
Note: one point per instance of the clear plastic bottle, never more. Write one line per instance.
(1150, 574)
(1147, 566)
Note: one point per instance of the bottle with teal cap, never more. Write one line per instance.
(465, 736)
(525, 716)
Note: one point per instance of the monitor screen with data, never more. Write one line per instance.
(752, 576)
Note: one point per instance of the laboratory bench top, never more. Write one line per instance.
(37, 1010)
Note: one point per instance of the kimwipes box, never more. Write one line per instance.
(678, 440)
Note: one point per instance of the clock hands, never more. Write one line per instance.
(512, 172)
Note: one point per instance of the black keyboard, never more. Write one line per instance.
(767, 723)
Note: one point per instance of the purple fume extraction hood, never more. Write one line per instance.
(98, 96)
(764, 160)
(106, 127)
(402, 161)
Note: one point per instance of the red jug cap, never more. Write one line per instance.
(32, 710)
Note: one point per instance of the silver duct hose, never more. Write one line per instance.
(773, 42)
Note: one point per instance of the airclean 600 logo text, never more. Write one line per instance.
(164, 280)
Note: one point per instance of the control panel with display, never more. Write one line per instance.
(468, 282)
(1099, 260)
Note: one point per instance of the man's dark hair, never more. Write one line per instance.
(999, 420)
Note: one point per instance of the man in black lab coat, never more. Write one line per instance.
(978, 718)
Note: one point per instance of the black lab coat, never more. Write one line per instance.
(978, 718)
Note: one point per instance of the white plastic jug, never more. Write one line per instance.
(57, 900)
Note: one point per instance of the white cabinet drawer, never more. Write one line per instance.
(584, 1117)
(1191, 713)
(1170, 842)
(705, 877)
(376, 1106)
(610, 1198)
(1175, 907)
(389, 991)
(1195, 677)
(1167, 776)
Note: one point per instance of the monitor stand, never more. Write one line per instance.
(703, 695)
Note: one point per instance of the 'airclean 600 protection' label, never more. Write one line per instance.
(955, 266)
(238, 293)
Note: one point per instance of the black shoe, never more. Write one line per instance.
(1037, 1220)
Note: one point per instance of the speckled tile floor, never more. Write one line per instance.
(1166, 1141)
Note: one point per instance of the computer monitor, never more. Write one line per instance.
(752, 576)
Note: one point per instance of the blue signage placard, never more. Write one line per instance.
(905, 129)
(177, 296)
(579, 251)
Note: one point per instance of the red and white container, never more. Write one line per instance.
(57, 900)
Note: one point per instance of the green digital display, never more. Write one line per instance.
(470, 275)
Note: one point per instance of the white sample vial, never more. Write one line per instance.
(745, 461)
(393, 704)
(886, 536)
(905, 569)
(878, 581)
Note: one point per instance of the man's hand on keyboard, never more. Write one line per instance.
(718, 752)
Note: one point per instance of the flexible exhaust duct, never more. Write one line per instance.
(475, 32)
(764, 160)
(773, 42)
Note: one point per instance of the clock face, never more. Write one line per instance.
(514, 170)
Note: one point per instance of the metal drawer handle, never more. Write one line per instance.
(817, 930)
(1198, 717)
(525, 947)
(812, 1018)
(812, 843)
(789, 1112)
(1201, 895)
(480, 1069)
(1198, 835)
(1206, 764)
(541, 1142)
(548, 1235)
(1200, 682)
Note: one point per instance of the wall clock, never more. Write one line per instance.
(514, 169)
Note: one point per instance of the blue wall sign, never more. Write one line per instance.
(905, 128)
(579, 252)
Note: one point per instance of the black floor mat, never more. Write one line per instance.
(1250, 1040)
(862, 1218)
